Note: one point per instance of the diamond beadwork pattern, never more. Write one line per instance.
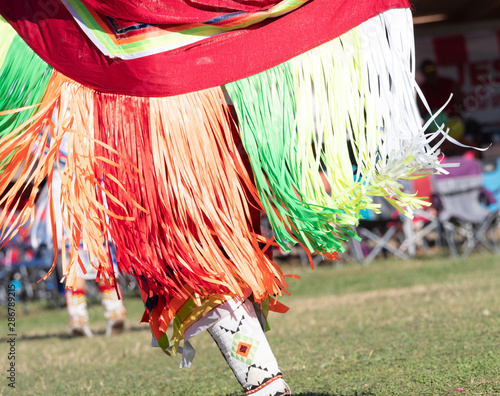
(244, 348)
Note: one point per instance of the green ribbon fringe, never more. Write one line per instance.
(266, 107)
(24, 77)
(334, 110)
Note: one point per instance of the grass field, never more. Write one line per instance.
(423, 327)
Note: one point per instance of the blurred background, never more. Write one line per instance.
(462, 37)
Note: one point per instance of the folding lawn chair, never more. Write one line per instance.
(381, 232)
(461, 212)
(425, 221)
(491, 183)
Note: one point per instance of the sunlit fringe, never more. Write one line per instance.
(160, 177)
(23, 80)
(84, 212)
(364, 114)
(7, 33)
(163, 178)
(350, 105)
(195, 233)
(80, 201)
(265, 104)
(403, 151)
(24, 146)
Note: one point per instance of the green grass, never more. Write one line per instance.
(423, 327)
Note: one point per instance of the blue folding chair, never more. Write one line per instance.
(491, 182)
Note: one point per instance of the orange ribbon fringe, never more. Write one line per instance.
(162, 178)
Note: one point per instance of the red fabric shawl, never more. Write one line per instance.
(51, 31)
(175, 11)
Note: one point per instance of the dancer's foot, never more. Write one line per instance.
(115, 327)
(81, 330)
(76, 303)
(114, 310)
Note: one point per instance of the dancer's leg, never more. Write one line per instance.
(243, 344)
(76, 303)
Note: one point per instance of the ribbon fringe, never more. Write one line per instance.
(332, 110)
(162, 178)
(165, 179)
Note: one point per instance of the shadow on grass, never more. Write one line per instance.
(66, 335)
(355, 393)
